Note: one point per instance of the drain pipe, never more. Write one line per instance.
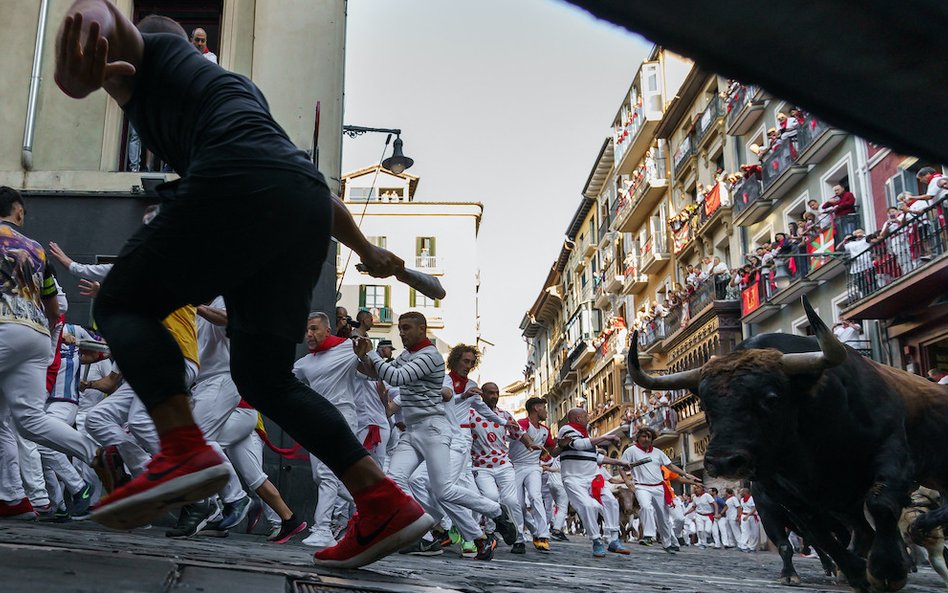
(26, 156)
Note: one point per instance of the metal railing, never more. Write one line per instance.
(746, 193)
(684, 150)
(652, 170)
(778, 160)
(921, 239)
(738, 100)
(708, 118)
(427, 261)
(809, 131)
(653, 332)
(381, 315)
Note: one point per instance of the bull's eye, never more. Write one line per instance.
(769, 401)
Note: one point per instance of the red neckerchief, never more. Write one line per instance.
(424, 343)
(745, 498)
(597, 486)
(329, 342)
(458, 382)
(580, 429)
(649, 450)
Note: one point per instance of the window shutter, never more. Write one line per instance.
(418, 245)
(411, 297)
(388, 297)
(361, 295)
(437, 303)
(433, 253)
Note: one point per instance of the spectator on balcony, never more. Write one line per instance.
(797, 114)
(718, 268)
(841, 205)
(860, 261)
(897, 243)
(199, 40)
(936, 188)
(787, 127)
(773, 143)
(847, 332)
(919, 208)
(822, 215)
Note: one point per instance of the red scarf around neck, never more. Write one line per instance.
(458, 382)
(329, 342)
(649, 450)
(424, 343)
(745, 498)
(580, 428)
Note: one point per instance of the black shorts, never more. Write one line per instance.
(257, 238)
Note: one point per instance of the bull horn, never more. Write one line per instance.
(682, 380)
(832, 352)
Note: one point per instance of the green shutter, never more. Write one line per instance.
(388, 297)
(432, 254)
(411, 297)
(361, 295)
(418, 245)
(437, 303)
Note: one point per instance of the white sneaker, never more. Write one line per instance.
(320, 540)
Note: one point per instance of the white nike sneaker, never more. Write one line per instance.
(320, 539)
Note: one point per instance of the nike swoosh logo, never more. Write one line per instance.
(364, 540)
(155, 476)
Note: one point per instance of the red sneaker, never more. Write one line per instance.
(168, 483)
(110, 468)
(387, 520)
(21, 510)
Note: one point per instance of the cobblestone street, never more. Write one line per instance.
(84, 558)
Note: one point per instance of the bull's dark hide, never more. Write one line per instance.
(876, 68)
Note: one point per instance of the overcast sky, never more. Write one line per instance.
(501, 102)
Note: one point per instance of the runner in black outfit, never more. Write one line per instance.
(250, 219)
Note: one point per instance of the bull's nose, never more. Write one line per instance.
(727, 463)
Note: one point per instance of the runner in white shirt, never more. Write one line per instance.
(330, 369)
(419, 372)
(529, 474)
(649, 489)
(555, 498)
(750, 523)
(586, 487)
(493, 470)
(705, 508)
(732, 504)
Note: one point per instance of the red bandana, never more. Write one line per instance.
(425, 342)
(598, 483)
(329, 342)
(458, 382)
(580, 428)
(745, 498)
(649, 450)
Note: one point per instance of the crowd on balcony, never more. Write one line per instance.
(654, 411)
(711, 269)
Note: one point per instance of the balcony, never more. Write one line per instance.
(600, 293)
(434, 315)
(688, 409)
(604, 231)
(683, 157)
(744, 109)
(780, 170)
(654, 254)
(709, 295)
(907, 269)
(588, 247)
(614, 282)
(634, 282)
(715, 207)
(632, 141)
(816, 140)
(646, 191)
(430, 264)
(650, 338)
(749, 208)
(381, 315)
(708, 121)
(606, 421)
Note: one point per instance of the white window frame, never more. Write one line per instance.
(801, 321)
(846, 161)
(768, 230)
(802, 199)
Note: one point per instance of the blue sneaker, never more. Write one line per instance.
(599, 549)
(81, 501)
(616, 547)
(234, 513)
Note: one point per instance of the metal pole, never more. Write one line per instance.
(26, 155)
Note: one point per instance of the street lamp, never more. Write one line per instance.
(782, 277)
(398, 162)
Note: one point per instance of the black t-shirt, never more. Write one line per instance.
(203, 120)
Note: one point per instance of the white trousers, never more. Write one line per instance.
(56, 466)
(24, 356)
(719, 531)
(529, 485)
(750, 534)
(11, 483)
(579, 491)
(460, 474)
(559, 501)
(734, 531)
(500, 484)
(379, 452)
(329, 489)
(428, 440)
(243, 446)
(653, 512)
(31, 468)
(703, 527)
(212, 402)
(676, 521)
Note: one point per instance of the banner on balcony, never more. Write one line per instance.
(750, 299)
(681, 237)
(822, 243)
(712, 201)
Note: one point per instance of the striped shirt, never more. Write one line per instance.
(580, 457)
(66, 387)
(420, 376)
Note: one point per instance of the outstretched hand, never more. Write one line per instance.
(89, 288)
(82, 65)
(361, 346)
(56, 251)
(381, 263)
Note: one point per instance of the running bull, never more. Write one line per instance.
(831, 435)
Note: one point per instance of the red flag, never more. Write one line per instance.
(750, 299)
(822, 243)
(713, 200)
